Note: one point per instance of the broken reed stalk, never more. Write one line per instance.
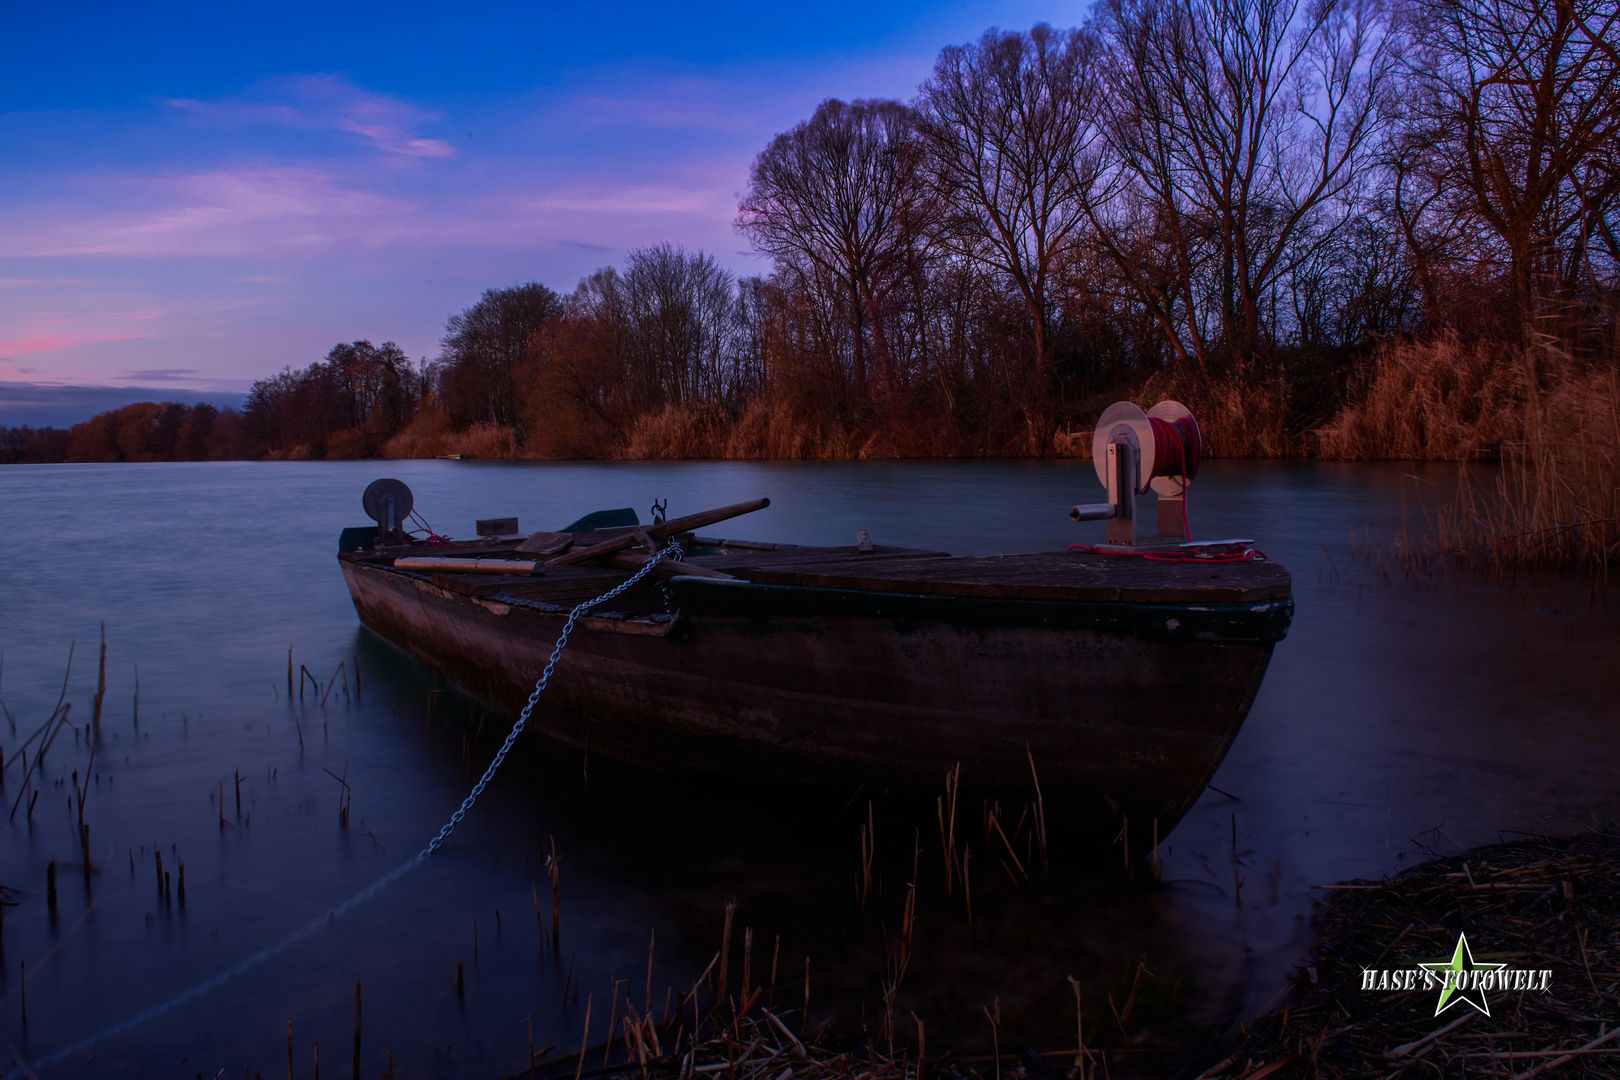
(725, 955)
(868, 854)
(357, 1029)
(584, 1038)
(1158, 867)
(748, 963)
(39, 755)
(776, 952)
(995, 1034)
(1081, 1057)
(60, 716)
(101, 686)
(652, 936)
(553, 867)
(995, 821)
(1040, 806)
(967, 881)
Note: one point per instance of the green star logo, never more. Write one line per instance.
(1464, 979)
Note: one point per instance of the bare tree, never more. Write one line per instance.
(839, 198)
(1011, 123)
(679, 309)
(1515, 129)
(1238, 130)
(484, 350)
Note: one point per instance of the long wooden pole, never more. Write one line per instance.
(659, 532)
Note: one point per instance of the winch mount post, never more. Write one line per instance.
(1172, 513)
(1124, 477)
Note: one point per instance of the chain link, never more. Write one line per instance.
(673, 551)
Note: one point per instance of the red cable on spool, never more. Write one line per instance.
(1177, 447)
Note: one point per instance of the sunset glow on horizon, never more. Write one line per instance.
(196, 198)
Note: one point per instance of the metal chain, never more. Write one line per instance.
(673, 551)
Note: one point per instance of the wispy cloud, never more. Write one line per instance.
(176, 374)
(324, 102)
(249, 211)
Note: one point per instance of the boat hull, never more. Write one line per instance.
(1128, 705)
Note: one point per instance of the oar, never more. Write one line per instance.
(658, 532)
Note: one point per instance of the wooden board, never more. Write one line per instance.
(1047, 576)
(1056, 576)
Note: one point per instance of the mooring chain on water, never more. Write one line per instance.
(673, 551)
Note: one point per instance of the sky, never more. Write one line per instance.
(196, 196)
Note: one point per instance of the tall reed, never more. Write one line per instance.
(1553, 426)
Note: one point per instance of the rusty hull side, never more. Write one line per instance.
(824, 698)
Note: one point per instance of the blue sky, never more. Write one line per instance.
(194, 196)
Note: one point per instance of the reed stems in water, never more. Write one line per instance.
(1081, 1056)
(556, 895)
(101, 686)
(651, 938)
(995, 1034)
(776, 953)
(357, 1029)
(584, 1038)
(725, 956)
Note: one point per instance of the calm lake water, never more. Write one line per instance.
(1403, 714)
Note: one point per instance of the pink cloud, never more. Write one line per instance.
(46, 343)
(325, 102)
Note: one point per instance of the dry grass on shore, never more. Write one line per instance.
(757, 1047)
(1554, 427)
(1540, 904)
(429, 440)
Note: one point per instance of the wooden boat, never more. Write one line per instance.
(1122, 680)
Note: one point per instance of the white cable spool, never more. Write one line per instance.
(1123, 418)
(1170, 411)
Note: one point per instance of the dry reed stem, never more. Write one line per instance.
(1554, 429)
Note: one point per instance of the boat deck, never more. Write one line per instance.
(1060, 576)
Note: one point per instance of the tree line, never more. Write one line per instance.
(143, 431)
(1239, 202)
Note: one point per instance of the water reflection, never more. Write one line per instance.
(1403, 713)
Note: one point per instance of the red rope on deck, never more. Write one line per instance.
(432, 539)
(1246, 555)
